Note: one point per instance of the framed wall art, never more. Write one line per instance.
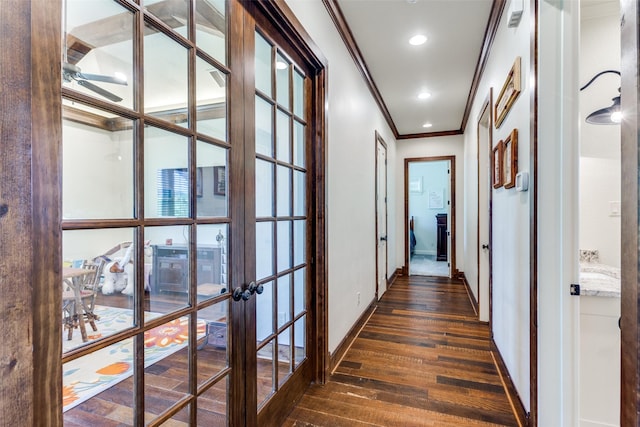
(510, 91)
(219, 181)
(496, 161)
(415, 185)
(510, 160)
(436, 200)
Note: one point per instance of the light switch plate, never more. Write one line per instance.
(614, 208)
(522, 181)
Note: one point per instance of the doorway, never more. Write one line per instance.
(381, 216)
(190, 286)
(430, 216)
(599, 215)
(484, 149)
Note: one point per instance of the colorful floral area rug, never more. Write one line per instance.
(90, 375)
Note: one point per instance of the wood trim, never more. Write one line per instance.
(533, 217)
(630, 300)
(283, 18)
(114, 124)
(321, 333)
(45, 175)
(375, 210)
(430, 134)
(474, 302)
(273, 414)
(452, 180)
(337, 354)
(497, 8)
(17, 363)
(512, 393)
(240, 27)
(394, 276)
(347, 36)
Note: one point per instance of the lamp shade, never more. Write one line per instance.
(606, 116)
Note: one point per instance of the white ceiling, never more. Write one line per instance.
(443, 66)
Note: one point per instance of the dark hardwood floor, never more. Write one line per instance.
(422, 359)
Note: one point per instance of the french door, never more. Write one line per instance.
(188, 204)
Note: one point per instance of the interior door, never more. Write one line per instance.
(186, 179)
(484, 217)
(381, 217)
(150, 215)
(279, 343)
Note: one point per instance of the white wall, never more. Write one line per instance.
(429, 147)
(510, 244)
(433, 177)
(352, 119)
(100, 183)
(600, 166)
(600, 187)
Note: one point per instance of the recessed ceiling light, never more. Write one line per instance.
(424, 95)
(418, 40)
(281, 65)
(427, 125)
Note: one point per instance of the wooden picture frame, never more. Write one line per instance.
(496, 161)
(510, 160)
(510, 91)
(219, 180)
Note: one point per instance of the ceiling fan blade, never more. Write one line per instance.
(99, 90)
(204, 27)
(70, 68)
(102, 78)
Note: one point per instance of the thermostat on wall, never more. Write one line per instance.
(522, 181)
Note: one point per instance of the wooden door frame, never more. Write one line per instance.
(486, 108)
(30, 214)
(630, 134)
(378, 138)
(452, 200)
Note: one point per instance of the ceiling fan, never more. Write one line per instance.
(72, 72)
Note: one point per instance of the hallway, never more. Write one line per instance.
(421, 360)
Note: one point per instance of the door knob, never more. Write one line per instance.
(255, 289)
(239, 294)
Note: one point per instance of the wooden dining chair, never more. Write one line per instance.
(89, 287)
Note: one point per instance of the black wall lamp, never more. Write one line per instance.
(605, 116)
